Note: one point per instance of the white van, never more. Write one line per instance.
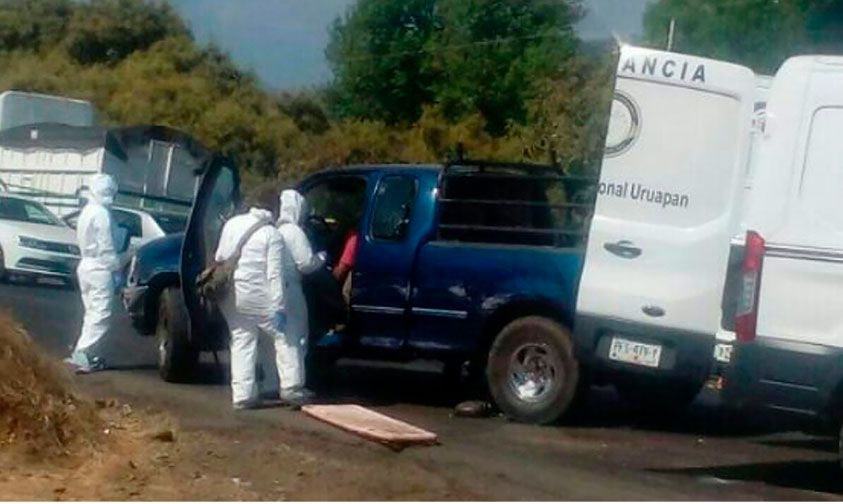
(789, 351)
(668, 205)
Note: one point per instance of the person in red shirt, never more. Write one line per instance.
(342, 272)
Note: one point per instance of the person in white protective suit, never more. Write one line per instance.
(254, 303)
(98, 272)
(298, 259)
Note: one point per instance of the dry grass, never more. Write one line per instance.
(39, 414)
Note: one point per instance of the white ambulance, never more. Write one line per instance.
(669, 203)
(789, 352)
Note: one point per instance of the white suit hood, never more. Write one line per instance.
(103, 189)
(293, 207)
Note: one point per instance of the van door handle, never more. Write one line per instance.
(623, 248)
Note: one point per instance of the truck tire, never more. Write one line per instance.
(176, 355)
(531, 370)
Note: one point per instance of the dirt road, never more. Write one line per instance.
(605, 453)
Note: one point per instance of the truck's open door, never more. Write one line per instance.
(667, 207)
(216, 201)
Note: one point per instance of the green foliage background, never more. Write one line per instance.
(758, 33)
(413, 78)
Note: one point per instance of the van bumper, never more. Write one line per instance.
(795, 380)
(685, 356)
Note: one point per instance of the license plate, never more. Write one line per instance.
(723, 352)
(632, 352)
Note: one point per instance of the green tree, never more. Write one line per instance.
(33, 25)
(377, 56)
(488, 54)
(757, 33)
(390, 58)
(106, 31)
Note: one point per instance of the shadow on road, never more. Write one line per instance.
(818, 476)
(385, 385)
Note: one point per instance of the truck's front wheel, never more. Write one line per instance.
(176, 355)
(531, 370)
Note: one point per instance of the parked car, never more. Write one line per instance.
(142, 226)
(34, 242)
(788, 359)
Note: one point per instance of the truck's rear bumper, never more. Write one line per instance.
(685, 356)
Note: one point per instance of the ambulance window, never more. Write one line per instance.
(822, 178)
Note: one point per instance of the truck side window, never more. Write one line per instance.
(393, 207)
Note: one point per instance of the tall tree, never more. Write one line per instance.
(757, 33)
(377, 56)
(392, 57)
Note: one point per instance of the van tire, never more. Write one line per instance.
(542, 347)
(176, 355)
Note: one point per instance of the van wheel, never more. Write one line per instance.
(176, 355)
(531, 370)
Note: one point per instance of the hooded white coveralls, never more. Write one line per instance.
(96, 271)
(298, 259)
(257, 296)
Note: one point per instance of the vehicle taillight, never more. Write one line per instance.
(747, 312)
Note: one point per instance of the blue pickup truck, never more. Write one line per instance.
(471, 262)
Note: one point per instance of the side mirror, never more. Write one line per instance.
(121, 239)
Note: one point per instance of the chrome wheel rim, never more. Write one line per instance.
(532, 372)
(162, 352)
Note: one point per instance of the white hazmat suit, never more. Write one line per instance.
(255, 301)
(298, 259)
(97, 270)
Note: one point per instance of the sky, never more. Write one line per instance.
(283, 41)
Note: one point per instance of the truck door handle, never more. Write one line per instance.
(623, 248)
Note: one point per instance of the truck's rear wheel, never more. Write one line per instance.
(176, 355)
(531, 370)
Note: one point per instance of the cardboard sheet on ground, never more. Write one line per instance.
(371, 425)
